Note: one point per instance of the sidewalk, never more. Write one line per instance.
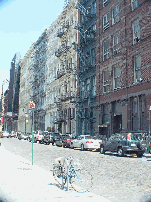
(22, 182)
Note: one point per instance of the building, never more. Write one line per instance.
(66, 72)
(13, 94)
(123, 73)
(26, 92)
(6, 115)
(39, 81)
(86, 50)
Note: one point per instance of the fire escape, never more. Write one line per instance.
(61, 53)
(87, 69)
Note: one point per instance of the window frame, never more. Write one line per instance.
(116, 45)
(94, 85)
(105, 2)
(133, 6)
(107, 53)
(115, 77)
(136, 70)
(93, 56)
(136, 35)
(115, 16)
(105, 84)
(107, 24)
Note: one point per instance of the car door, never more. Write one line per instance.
(108, 144)
(77, 141)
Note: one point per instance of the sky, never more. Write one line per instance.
(21, 24)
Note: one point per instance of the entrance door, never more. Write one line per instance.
(117, 124)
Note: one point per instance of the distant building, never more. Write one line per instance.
(6, 117)
(26, 91)
(13, 95)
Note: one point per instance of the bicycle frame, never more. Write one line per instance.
(74, 171)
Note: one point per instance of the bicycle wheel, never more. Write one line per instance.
(57, 173)
(81, 180)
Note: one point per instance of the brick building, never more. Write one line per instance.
(123, 72)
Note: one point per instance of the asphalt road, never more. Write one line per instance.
(119, 179)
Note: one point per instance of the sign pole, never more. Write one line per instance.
(32, 136)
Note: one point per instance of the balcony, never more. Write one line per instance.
(60, 74)
(60, 34)
(61, 50)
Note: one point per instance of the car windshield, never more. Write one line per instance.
(88, 137)
(136, 137)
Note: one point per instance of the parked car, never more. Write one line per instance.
(48, 137)
(86, 142)
(124, 143)
(66, 142)
(5, 134)
(58, 140)
(23, 136)
(13, 134)
(39, 136)
(34, 137)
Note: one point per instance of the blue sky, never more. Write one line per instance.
(21, 24)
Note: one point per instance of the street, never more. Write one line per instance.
(116, 178)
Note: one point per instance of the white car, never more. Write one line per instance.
(5, 134)
(38, 136)
(86, 142)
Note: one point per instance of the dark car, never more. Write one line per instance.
(23, 136)
(48, 138)
(124, 143)
(58, 139)
(66, 141)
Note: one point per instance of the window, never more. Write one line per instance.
(106, 21)
(116, 45)
(105, 2)
(88, 85)
(93, 8)
(134, 4)
(106, 77)
(106, 50)
(82, 89)
(117, 76)
(134, 105)
(73, 114)
(94, 86)
(137, 69)
(93, 56)
(115, 15)
(94, 27)
(136, 32)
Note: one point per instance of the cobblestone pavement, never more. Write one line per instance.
(119, 179)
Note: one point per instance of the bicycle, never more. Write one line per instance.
(65, 172)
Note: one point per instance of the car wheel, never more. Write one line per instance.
(82, 147)
(139, 155)
(120, 151)
(102, 149)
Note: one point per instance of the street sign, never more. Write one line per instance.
(32, 104)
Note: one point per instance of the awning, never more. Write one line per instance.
(104, 125)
